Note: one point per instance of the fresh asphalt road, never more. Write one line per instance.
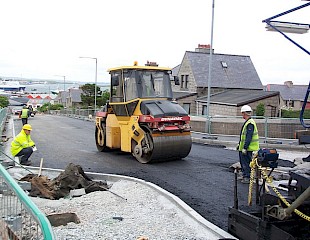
(202, 179)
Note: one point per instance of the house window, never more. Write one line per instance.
(224, 64)
(289, 103)
(182, 81)
(204, 109)
(186, 107)
(186, 81)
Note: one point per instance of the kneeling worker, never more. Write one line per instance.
(22, 145)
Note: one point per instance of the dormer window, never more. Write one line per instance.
(224, 64)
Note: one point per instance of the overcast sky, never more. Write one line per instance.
(42, 39)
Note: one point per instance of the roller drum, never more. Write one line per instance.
(168, 148)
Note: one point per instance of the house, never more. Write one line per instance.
(38, 100)
(230, 101)
(73, 99)
(228, 72)
(61, 98)
(70, 98)
(291, 96)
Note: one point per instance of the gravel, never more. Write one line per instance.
(104, 215)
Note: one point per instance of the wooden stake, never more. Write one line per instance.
(40, 169)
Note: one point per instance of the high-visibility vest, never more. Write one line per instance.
(254, 145)
(22, 140)
(25, 113)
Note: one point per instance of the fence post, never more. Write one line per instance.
(266, 129)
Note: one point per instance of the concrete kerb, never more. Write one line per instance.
(174, 199)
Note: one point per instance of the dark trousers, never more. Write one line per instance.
(245, 163)
(25, 153)
(24, 121)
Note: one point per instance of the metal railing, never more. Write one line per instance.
(20, 218)
(268, 127)
(76, 113)
(3, 117)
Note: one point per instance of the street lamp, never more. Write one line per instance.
(64, 80)
(95, 81)
(290, 27)
(209, 74)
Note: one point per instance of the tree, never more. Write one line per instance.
(4, 101)
(88, 95)
(260, 109)
(103, 98)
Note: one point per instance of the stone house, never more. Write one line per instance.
(291, 96)
(73, 99)
(231, 75)
(61, 98)
(70, 98)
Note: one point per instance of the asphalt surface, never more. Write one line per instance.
(202, 180)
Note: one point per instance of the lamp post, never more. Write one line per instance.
(210, 69)
(95, 81)
(291, 27)
(64, 77)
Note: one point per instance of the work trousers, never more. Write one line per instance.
(245, 163)
(24, 121)
(25, 153)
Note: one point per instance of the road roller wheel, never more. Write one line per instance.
(162, 148)
(100, 138)
(143, 152)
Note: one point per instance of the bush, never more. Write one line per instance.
(260, 109)
(4, 101)
(295, 114)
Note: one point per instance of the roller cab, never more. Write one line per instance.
(141, 117)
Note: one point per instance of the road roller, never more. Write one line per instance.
(141, 116)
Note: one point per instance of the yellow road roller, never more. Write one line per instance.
(141, 117)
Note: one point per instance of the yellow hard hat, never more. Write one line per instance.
(27, 127)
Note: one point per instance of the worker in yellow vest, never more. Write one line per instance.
(24, 115)
(249, 142)
(23, 146)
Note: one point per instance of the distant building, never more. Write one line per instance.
(70, 98)
(38, 100)
(292, 96)
(234, 81)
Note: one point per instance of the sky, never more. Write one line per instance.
(45, 39)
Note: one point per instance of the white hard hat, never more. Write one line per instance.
(246, 108)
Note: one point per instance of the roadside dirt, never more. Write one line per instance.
(72, 178)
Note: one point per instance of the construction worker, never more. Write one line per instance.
(248, 143)
(24, 115)
(22, 145)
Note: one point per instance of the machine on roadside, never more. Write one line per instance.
(278, 214)
(281, 213)
(141, 117)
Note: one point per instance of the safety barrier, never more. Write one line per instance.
(3, 116)
(268, 127)
(20, 217)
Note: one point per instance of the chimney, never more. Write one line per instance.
(288, 83)
(204, 48)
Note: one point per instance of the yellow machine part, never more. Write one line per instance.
(113, 133)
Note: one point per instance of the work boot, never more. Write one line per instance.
(245, 180)
(27, 163)
(239, 175)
